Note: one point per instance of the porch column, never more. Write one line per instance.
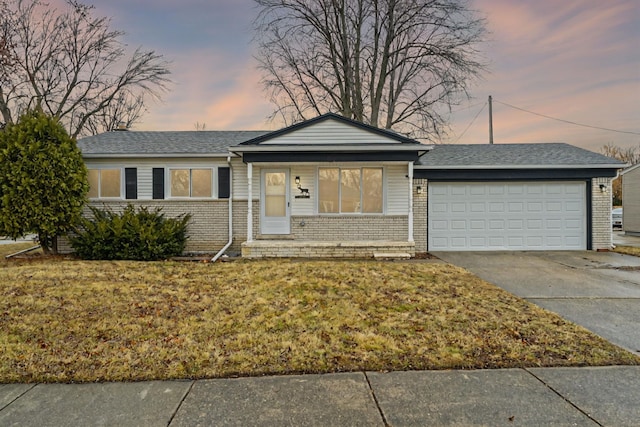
(249, 202)
(411, 201)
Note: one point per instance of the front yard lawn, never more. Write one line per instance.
(75, 321)
(628, 250)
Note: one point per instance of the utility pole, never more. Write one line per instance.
(490, 121)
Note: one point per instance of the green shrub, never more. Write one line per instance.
(134, 235)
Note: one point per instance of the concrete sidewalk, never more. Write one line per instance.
(510, 397)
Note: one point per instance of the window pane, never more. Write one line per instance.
(328, 191)
(180, 183)
(350, 190)
(201, 183)
(110, 183)
(372, 190)
(275, 202)
(94, 182)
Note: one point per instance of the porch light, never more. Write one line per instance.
(419, 189)
(603, 188)
(297, 181)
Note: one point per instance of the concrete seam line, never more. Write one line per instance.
(180, 403)
(375, 399)
(18, 397)
(562, 397)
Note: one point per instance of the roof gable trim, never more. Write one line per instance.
(392, 136)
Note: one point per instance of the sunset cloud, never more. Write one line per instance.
(573, 59)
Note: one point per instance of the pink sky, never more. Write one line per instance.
(575, 60)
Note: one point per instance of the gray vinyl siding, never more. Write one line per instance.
(631, 201)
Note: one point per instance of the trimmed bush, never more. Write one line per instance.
(132, 235)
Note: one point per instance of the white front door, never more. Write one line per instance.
(274, 202)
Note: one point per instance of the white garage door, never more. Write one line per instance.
(507, 216)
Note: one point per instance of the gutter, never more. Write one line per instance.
(222, 251)
(514, 167)
(375, 147)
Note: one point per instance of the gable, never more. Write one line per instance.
(330, 132)
(330, 129)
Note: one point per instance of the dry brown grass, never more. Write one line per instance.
(11, 248)
(629, 250)
(63, 321)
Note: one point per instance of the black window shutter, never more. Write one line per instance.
(130, 183)
(158, 183)
(224, 183)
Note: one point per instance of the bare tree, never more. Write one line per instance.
(397, 64)
(73, 66)
(629, 155)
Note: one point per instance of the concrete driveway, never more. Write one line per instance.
(598, 290)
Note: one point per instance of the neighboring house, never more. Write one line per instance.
(330, 186)
(631, 200)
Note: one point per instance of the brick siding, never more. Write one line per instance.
(601, 214)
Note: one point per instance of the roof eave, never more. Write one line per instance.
(330, 148)
(629, 168)
(156, 155)
(485, 167)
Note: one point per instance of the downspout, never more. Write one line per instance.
(219, 254)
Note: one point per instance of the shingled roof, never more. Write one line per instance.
(481, 156)
(181, 143)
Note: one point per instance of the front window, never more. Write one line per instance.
(104, 183)
(195, 183)
(350, 190)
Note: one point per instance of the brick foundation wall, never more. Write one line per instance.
(601, 214)
(350, 228)
(327, 249)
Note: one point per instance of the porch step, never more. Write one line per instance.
(327, 249)
(390, 255)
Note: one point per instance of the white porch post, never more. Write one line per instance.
(249, 202)
(411, 201)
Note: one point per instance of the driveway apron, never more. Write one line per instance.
(598, 290)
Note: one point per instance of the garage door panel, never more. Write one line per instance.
(535, 189)
(457, 191)
(477, 242)
(573, 206)
(515, 224)
(496, 207)
(478, 224)
(457, 224)
(535, 242)
(496, 224)
(458, 242)
(554, 207)
(516, 206)
(478, 207)
(507, 216)
(458, 207)
(534, 224)
(554, 224)
(572, 224)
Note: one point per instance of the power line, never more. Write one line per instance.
(468, 107)
(474, 119)
(566, 121)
